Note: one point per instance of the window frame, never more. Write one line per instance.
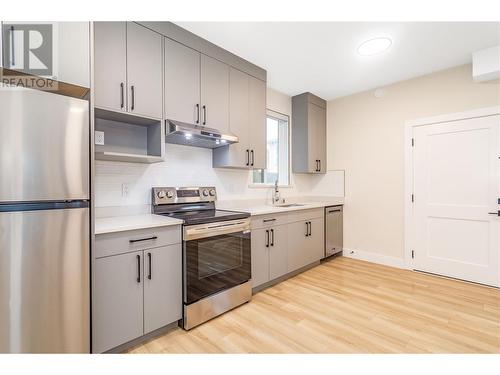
(280, 117)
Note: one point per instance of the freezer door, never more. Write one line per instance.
(44, 146)
(44, 281)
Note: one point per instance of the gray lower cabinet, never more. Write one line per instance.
(308, 134)
(306, 243)
(118, 296)
(278, 254)
(162, 287)
(269, 254)
(135, 293)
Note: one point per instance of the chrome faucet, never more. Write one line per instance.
(276, 197)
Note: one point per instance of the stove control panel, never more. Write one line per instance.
(171, 195)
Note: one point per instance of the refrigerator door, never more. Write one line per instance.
(44, 146)
(44, 280)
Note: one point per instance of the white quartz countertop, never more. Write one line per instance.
(132, 222)
(259, 208)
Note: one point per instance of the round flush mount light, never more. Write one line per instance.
(374, 46)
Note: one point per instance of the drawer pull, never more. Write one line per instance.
(144, 239)
(268, 220)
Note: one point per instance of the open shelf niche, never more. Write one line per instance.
(129, 138)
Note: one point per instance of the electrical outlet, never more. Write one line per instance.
(125, 190)
(99, 138)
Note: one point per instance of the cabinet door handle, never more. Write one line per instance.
(310, 229)
(197, 113)
(272, 237)
(144, 239)
(13, 57)
(319, 168)
(307, 229)
(248, 158)
(138, 268)
(149, 266)
(494, 213)
(204, 115)
(132, 106)
(251, 151)
(267, 238)
(122, 96)
(268, 220)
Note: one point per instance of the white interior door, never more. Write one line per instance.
(456, 186)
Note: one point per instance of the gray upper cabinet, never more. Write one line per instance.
(144, 71)
(118, 295)
(182, 83)
(247, 120)
(162, 286)
(308, 134)
(110, 65)
(72, 63)
(257, 122)
(128, 69)
(214, 93)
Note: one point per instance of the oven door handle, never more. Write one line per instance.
(194, 232)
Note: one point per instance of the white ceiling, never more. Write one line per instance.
(321, 57)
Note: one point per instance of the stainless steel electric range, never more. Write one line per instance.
(216, 251)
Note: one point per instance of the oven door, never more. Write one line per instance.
(216, 257)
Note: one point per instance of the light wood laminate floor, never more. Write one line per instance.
(350, 306)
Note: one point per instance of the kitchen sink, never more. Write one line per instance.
(290, 205)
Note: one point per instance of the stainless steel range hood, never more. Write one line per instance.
(182, 133)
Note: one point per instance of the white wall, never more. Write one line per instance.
(191, 166)
(365, 138)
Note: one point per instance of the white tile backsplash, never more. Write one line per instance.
(191, 166)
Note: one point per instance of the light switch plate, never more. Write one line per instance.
(99, 138)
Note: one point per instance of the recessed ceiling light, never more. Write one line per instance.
(374, 46)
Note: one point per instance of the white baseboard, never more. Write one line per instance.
(386, 260)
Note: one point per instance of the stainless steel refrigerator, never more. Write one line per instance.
(44, 223)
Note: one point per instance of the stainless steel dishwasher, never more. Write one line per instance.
(333, 230)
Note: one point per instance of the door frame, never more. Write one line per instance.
(409, 225)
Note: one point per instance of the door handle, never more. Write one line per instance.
(132, 106)
(268, 220)
(317, 163)
(494, 213)
(310, 228)
(204, 115)
(138, 268)
(144, 239)
(251, 151)
(272, 237)
(197, 113)
(122, 96)
(248, 158)
(307, 229)
(149, 266)
(13, 57)
(267, 238)
(319, 169)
